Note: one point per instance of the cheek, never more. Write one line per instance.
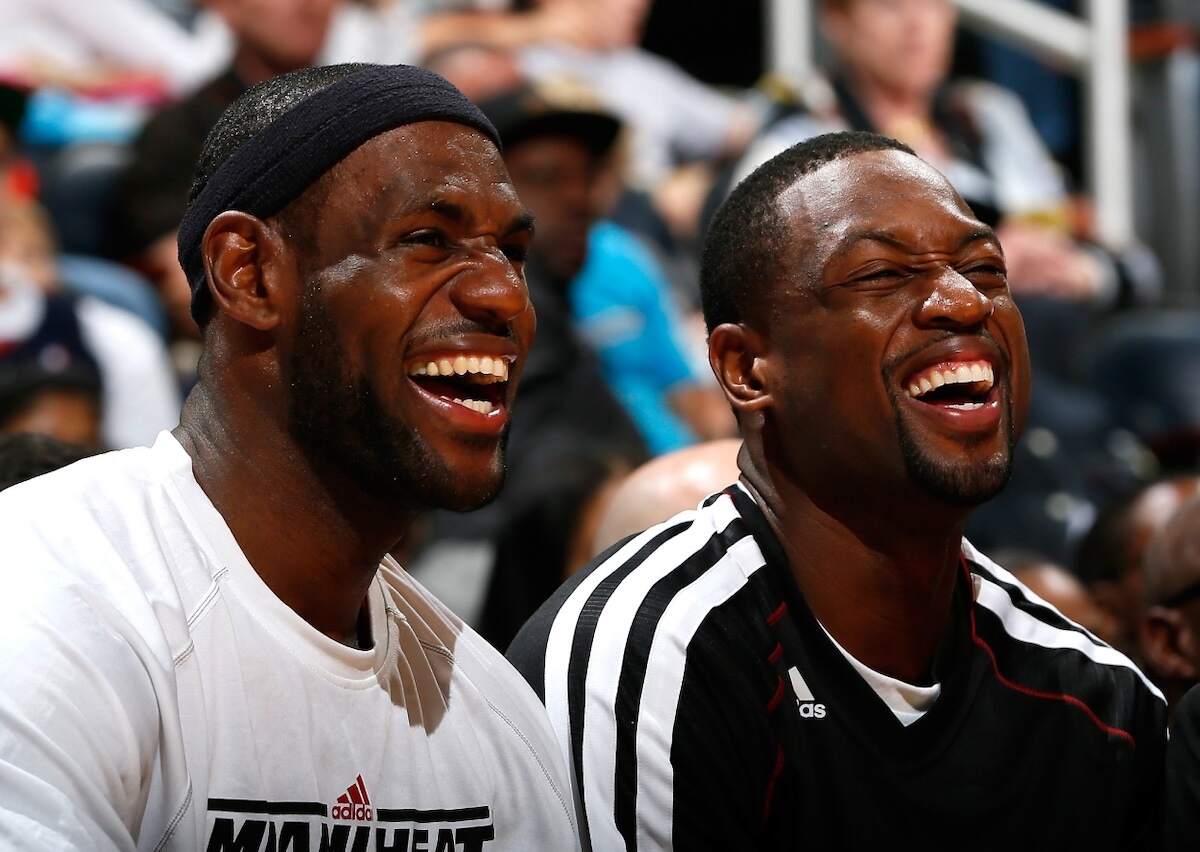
(1010, 332)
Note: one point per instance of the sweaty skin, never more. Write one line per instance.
(885, 274)
(308, 431)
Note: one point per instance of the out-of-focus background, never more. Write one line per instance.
(1073, 126)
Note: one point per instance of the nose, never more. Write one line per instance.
(953, 302)
(492, 292)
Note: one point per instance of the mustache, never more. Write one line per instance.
(458, 328)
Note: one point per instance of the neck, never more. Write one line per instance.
(882, 583)
(314, 537)
(888, 106)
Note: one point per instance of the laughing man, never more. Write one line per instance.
(815, 657)
(203, 644)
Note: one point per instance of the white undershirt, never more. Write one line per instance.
(909, 703)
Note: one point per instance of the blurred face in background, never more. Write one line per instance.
(27, 250)
(66, 414)
(563, 183)
(904, 46)
(284, 34)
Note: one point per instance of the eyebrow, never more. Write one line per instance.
(980, 234)
(457, 213)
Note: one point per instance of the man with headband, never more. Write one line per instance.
(203, 644)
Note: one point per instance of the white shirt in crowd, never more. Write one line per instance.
(671, 115)
(139, 397)
(155, 694)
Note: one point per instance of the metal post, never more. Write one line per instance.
(1110, 132)
(789, 38)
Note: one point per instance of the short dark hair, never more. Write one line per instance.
(25, 455)
(743, 244)
(257, 107)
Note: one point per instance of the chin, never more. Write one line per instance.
(963, 483)
(461, 482)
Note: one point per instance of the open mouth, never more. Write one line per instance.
(478, 383)
(958, 385)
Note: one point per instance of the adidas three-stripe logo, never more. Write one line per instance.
(354, 803)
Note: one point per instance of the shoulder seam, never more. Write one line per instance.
(538, 758)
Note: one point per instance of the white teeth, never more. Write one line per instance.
(979, 371)
(480, 405)
(966, 406)
(495, 369)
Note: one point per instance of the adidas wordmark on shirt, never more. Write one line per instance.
(157, 695)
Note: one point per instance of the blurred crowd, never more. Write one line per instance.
(625, 124)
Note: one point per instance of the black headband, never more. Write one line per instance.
(272, 168)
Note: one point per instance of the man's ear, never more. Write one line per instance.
(735, 353)
(240, 252)
(1165, 642)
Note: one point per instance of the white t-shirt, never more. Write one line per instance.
(908, 702)
(155, 694)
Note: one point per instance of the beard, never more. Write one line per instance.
(341, 423)
(958, 483)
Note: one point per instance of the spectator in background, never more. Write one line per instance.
(139, 397)
(1169, 630)
(49, 382)
(24, 456)
(270, 37)
(101, 43)
(559, 154)
(408, 31)
(1061, 589)
(673, 118)
(893, 62)
(1112, 555)
(665, 486)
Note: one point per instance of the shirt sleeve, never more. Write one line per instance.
(692, 755)
(78, 719)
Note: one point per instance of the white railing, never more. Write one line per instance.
(1093, 47)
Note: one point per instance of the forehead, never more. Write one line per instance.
(409, 165)
(887, 193)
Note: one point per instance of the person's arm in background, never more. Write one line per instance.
(622, 302)
(580, 23)
(1042, 255)
(134, 37)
